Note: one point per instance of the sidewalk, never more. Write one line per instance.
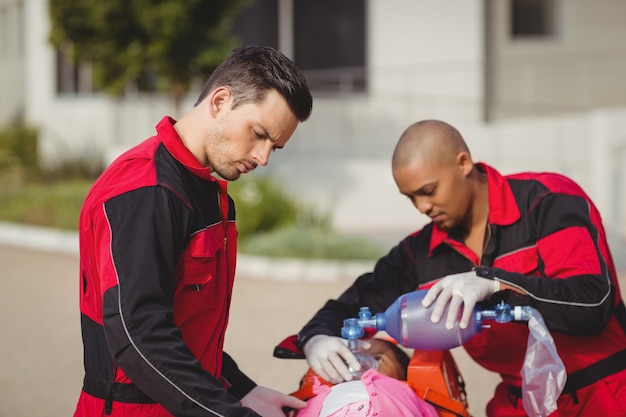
(65, 242)
(41, 350)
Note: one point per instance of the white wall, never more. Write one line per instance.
(39, 69)
(582, 67)
(12, 99)
(422, 51)
(352, 174)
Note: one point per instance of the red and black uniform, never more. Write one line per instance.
(545, 236)
(157, 262)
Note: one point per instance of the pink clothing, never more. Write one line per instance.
(387, 397)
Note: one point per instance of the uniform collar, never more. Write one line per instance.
(503, 209)
(174, 144)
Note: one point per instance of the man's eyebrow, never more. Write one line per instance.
(266, 133)
(422, 189)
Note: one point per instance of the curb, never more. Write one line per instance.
(39, 238)
(300, 270)
(248, 266)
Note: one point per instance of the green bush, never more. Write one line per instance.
(261, 205)
(73, 168)
(18, 155)
(19, 160)
(29, 194)
(54, 205)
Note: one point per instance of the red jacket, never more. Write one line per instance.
(544, 236)
(157, 262)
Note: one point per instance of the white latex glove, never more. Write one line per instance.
(270, 403)
(329, 357)
(465, 288)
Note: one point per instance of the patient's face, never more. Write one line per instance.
(388, 363)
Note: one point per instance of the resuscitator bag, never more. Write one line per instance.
(543, 371)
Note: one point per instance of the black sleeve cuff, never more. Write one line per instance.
(239, 383)
(485, 272)
(301, 340)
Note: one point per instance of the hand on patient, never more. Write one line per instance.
(330, 357)
(270, 403)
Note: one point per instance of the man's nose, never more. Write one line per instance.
(423, 205)
(262, 153)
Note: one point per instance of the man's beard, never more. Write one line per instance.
(228, 175)
(453, 226)
(218, 148)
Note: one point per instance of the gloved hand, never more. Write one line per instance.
(465, 288)
(329, 357)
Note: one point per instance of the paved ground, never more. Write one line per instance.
(40, 352)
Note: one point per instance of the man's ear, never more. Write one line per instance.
(220, 98)
(464, 162)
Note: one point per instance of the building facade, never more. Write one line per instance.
(532, 84)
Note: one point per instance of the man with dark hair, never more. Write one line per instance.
(158, 250)
(532, 239)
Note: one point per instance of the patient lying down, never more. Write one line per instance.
(378, 393)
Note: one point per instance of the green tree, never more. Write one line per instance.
(126, 41)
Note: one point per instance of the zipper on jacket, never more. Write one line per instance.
(485, 243)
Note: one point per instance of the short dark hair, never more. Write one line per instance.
(251, 71)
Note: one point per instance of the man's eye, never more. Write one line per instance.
(259, 135)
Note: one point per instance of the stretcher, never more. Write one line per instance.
(435, 378)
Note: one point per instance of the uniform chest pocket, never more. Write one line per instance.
(197, 273)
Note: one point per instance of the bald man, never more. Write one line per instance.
(531, 239)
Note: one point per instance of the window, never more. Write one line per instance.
(72, 78)
(258, 24)
(533, 18)
(328, 38)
